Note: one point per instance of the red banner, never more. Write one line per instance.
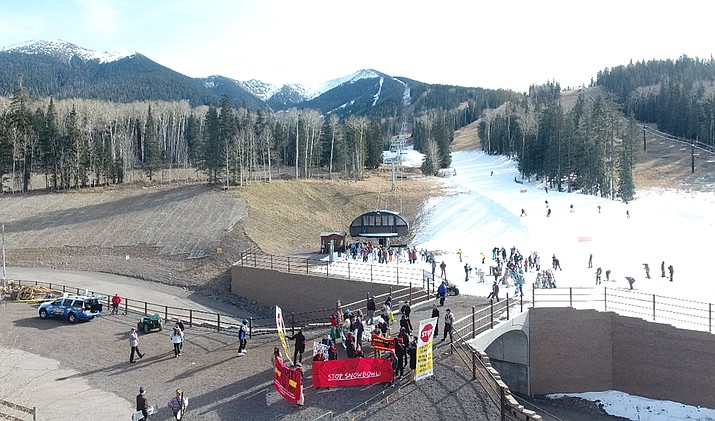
(287, 381)
(382, 343)
(351, 372)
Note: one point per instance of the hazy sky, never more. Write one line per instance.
(491, 44)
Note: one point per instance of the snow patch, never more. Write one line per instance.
(66, 51)
(379, 91)
(351, 78)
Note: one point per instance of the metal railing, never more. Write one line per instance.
(398, 274)
(690, 314)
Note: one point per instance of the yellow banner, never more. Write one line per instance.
(424, 366)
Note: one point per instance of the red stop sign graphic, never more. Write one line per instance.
(426, 333)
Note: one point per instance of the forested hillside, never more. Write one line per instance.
(678, 96)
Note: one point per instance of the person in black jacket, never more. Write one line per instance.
(299, 346)
(406, 324)
(350, 345)
(435, 313)
(400, 354)
(406, 309)
(142, 403)
(412, 352)
(370, 310)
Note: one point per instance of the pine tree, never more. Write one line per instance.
(626, 187)
(152, 153)
(21, 135)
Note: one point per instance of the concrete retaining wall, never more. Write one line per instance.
(300, 293)
(585, 350)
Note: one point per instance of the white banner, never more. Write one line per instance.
(425, 335)
(281, 328)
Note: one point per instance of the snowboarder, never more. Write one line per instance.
(590, 261)
(598, 276)
(599, 208)
(484, 258)
(555, 263)
(523, 212)
(443, 267)
(460, 255)
(670, 271)
(546, 189)
(628, 214)
(467, 269)
(662, 269)
(647, 270)
(608, 275)
(548, 213)
(547, 203)
(571, 208)
(630, 281)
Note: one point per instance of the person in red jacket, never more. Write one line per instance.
(116, 300)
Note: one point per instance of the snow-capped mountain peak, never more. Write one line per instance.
(351, 78)
(65, 51)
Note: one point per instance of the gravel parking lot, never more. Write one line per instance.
(84, 369)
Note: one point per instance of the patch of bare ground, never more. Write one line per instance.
(466, 137)
(667, 164)
(287, 216)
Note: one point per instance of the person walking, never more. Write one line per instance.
(598, 276)
(142, 405)
(134, 344)
(448, 321)
(647, 270)
(523, 212)
(495, 292)
(443, 268)
(242, 333)
(116, 300)
(299, 346)
(435, 313)
(460, 255)
(177, 337)
(548, 213)
(178, 404)
(662, 269)
(608, 275)
(442, 293)
(467, 268)
(590, 261)
(434, 266)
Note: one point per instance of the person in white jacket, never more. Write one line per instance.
(177, 338)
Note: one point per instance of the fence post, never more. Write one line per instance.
(653, 307)
(327, 268)
(410, 293)
(166, 313)
(292, 323)
(50, 285)
(254, 260)
(370, 273)
(474, 364)
(146, 311)
(288, 264)
(710, 317)
(507, 306)
(533, 297)
(491, 314)
(63, 289)
(242, 258)
(397, 271)
(306, 266)
(521, 303)
(250, 327)
(605, 299)
(191, 318)
(349, 271)
(218, 322)
(34, 413)
(271, 262)
(126, 306)
(390, 290)
(474, 325)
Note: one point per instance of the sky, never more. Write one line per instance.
(507, 44)
(481, 209)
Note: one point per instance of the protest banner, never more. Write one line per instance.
(382, 344)
(351, 372)
(280, 327)
(287, 381)
(424, 366)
